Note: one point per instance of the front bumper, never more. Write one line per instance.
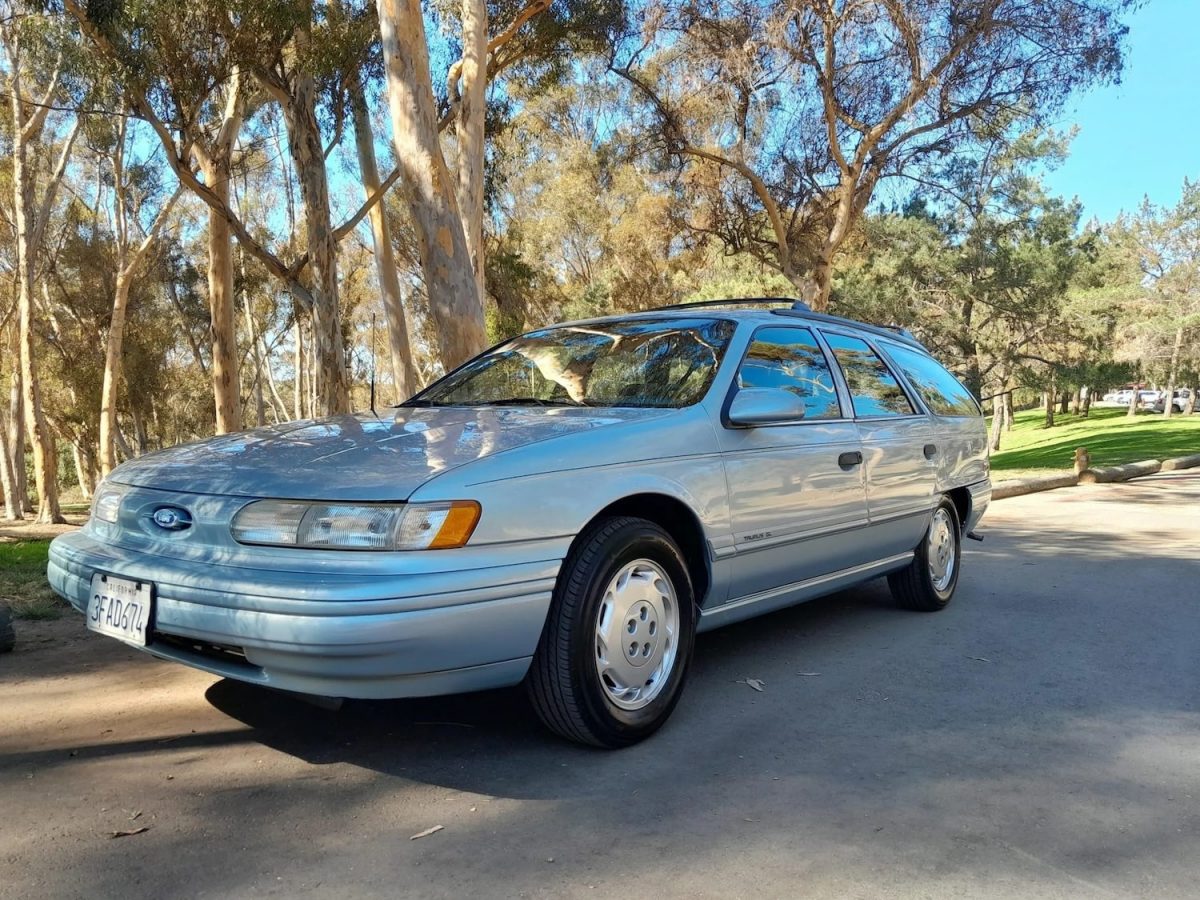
(462, 621)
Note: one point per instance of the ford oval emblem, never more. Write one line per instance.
(172, 518)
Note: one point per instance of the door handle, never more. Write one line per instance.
(930, 451)
(849, 459)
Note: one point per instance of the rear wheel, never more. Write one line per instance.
(615, 649)
(928, 582)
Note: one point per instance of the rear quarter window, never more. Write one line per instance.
(942, 392)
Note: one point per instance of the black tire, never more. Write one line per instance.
(8, 636)
(564, 684)
(913, 586)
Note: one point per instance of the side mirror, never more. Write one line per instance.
(764, 406)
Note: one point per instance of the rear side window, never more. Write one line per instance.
(940, 390)
(873, 388)
(791, 359)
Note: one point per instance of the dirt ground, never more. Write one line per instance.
(1039, 738)
(29, 531)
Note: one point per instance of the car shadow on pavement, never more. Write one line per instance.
(430, 739)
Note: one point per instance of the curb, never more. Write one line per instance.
(1181, 462)
(1015, 487)
(1120, 473)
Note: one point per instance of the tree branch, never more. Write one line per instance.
(56, 177)
(454, 73)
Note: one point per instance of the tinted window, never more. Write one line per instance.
(637, 362)
(791, 359)
(939, 389)
(873, 387)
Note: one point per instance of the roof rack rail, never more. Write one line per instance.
(738, 301)
(789, 306)
(893, 331)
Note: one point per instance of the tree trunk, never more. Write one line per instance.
(454, 298)
(298, 381)
(1172, 374)
(1087, 401)
(226, 379)
(16, 430)
(45, 461)
(1010, 412)
(404, 374)
(1134, 401)
(1048, 401)
(12, 506)
(139, 429)
(998, 410)
(469, 128)
(83, 470)
(1189, 407)
(308, 156)
(1064, 402)
(278, 407)
(112, 366)
(260, 418)
(820, 285)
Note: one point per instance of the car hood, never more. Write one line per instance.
(359, 457)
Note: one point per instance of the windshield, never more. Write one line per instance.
(637, 362)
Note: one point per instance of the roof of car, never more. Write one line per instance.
(764, 310)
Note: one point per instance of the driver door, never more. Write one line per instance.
(795, 489)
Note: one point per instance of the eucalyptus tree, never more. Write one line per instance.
(184, 70)
(806, 107)
(39, 154)
(167, 66)
(137, 209)
(446, 204)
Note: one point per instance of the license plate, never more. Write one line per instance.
(120, 608)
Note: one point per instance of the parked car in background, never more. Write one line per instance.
(1179, 400)
(567, 509)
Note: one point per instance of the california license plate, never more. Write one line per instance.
(120, 608)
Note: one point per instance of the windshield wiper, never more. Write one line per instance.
(527, 401)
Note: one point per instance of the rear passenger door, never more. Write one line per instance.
(794, 488)
(898, 445)
(962, 457)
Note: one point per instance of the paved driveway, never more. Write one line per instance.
(1039, 738)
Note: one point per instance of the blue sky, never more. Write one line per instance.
(1142, 136)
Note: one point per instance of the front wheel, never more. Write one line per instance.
(928, 582)
(616, 646)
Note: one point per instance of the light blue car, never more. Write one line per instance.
(568, 509)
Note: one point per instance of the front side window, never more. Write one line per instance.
(873, 387)
(668, 362)
(940, 390)
(791, 359)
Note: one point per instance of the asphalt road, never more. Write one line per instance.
(1039, 738)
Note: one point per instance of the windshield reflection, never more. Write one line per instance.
(667, 362)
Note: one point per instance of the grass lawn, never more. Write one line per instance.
(1110, 436)
(23, 580)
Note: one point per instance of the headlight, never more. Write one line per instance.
(351, 526)
(106, 503)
